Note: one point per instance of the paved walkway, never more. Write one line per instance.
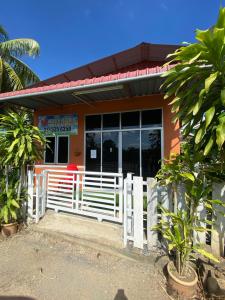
(42, 265)
(87, 229)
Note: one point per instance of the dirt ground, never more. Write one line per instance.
(39, 265)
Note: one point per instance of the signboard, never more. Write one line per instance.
(58, 124)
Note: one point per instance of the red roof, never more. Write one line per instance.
(139, 61)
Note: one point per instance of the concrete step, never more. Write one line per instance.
(103, 233)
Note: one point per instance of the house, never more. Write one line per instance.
(108, 115)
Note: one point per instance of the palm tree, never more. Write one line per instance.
(15, 74)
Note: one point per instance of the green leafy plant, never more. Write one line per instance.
(15, 74)
(21, 144)
(170, 175)
(180, 227)
(177, 229)
(9, 201)
(196, 85)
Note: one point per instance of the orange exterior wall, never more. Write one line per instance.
(171, 131)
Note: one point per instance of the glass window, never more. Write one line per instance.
(50, 150)
(151, 152)
(151, 118)
(130, 119)
(63, 150)
(111, 121)
(93, 122)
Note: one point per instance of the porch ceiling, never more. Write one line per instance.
(90, 95)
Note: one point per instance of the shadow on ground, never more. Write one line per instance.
(120, 295)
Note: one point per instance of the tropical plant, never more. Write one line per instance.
(180, 227)
(21, 143)
(196, 85)
(177, 229)
(9, 201)
(170, 175)
(15, 74)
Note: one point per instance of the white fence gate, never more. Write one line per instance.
(140, 211)
(86, 193)
(104, 196)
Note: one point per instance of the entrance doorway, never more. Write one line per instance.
(132, 142)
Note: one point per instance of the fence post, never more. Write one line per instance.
(129, 204)
(128, 230)
(152, 214)
(120, 181)
(30, 193)
(37, 198)
(200, 237)
(77, 192)
(181, 197)
(217, 237)
(125, 213)
(166, 202)
(44, 191)
(138, 212)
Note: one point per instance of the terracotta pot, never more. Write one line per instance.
(184, 288)
(9, 229)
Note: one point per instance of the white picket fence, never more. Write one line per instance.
(140, 217)
(92, 194)
(106, 196)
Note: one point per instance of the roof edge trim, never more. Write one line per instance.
(82, 87)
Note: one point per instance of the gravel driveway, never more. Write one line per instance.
(44, 266)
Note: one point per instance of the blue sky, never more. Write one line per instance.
(72, 33)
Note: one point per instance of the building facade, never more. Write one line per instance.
(107, 116)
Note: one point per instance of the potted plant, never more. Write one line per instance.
(9, 207)
(180, 226)
(177, 231)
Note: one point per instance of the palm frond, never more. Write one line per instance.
(1, 73)
(27, 76)
(20, 47)
(3, 34)
(11, 80)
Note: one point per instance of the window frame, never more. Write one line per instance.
(57, 148)
(120, 130)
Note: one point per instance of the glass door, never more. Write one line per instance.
(110, 141)
(150, 152)
(93, 151)
(131, 152)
